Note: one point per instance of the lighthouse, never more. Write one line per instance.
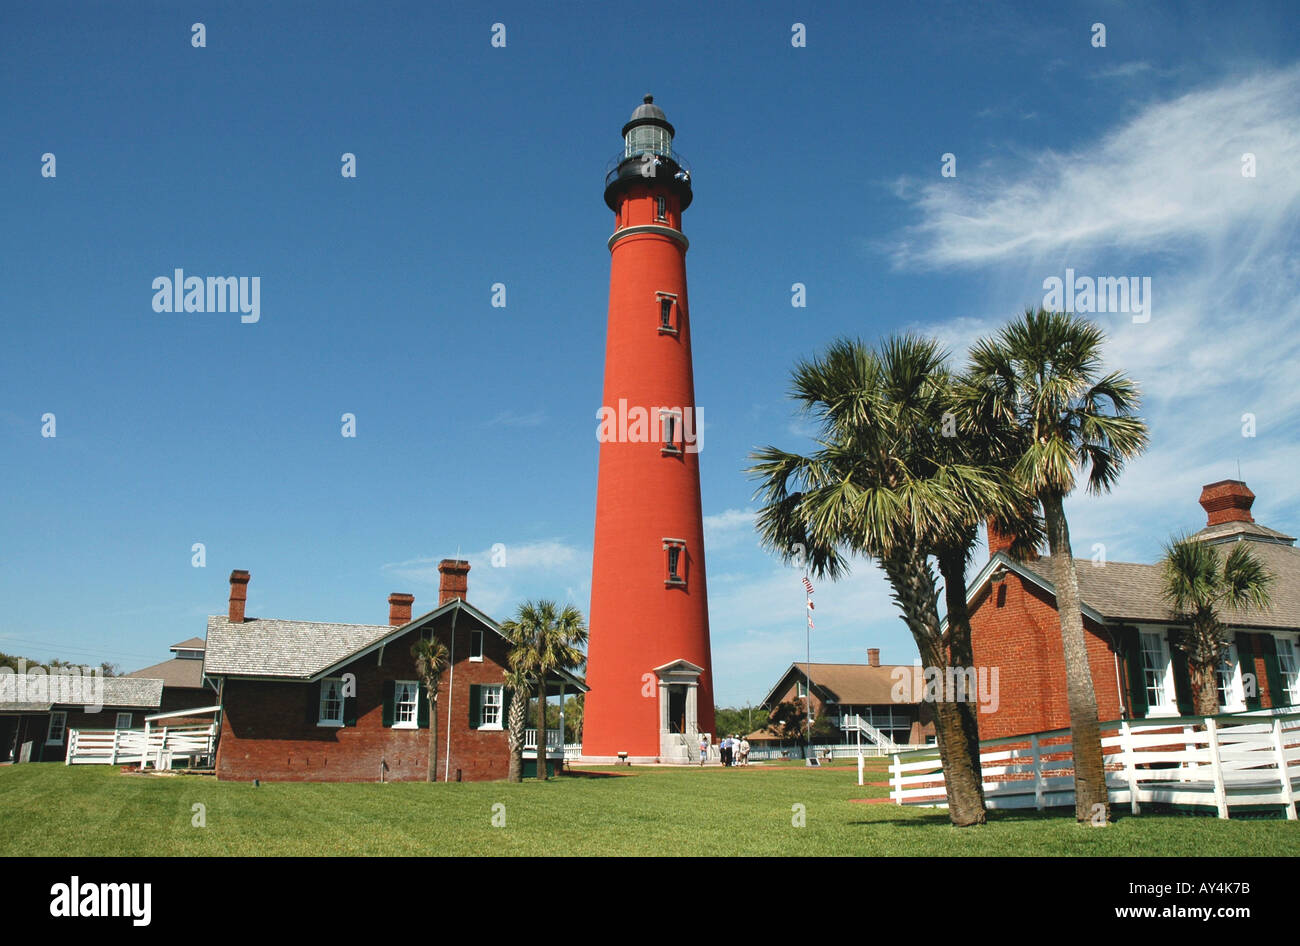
(648, 661)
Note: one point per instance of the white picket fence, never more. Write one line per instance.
(159, 747)
(1217, 762)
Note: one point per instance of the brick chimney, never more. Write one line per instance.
(238, 595)
(1227, 501)
(873, 656)
(454, 581)
(399, 609)
(999, 541)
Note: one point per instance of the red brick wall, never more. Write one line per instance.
(265, 732)
(1015, 627)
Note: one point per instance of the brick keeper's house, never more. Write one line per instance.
(1137, 670)
(289, 713)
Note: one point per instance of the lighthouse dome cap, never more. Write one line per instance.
(648, 109)
(648, 113)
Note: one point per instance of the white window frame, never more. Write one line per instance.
(1291, 643)
(661, 208)
(322, 719)
(414, 702)
(1233, 698)
(497, 691)
(1169, 704)
(130, 718)
(62, 717)
(674, 312)
(472, 633)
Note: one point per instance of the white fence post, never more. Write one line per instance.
(861, 763)
(896, 776)
(1129, 752)
(1220, 791)
(1288, 794)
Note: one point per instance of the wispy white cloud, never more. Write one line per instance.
(1171, 172)
(1161, 194)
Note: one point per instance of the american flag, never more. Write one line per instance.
(807, 584)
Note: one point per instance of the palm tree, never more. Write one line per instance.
(545, 638)
(1041, 375)
(516, 721)
(1198, 582)
(886, 484)
(430, 656)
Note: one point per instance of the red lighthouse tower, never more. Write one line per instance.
(648, 659)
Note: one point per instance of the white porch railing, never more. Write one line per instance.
(857, 723)
(554, 739)
(159, 747)
(1216, 762)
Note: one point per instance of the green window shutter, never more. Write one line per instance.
(1137, 682)
(1268, 651)
(475, 705)
(313, 702)
(507, 695)
(349, 711)
(390, 688)
(1246, 657)
(1182, 679)
(422, 706)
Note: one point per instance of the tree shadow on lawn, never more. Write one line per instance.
(994, 817)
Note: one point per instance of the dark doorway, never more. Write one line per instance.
(677, 708)
(8, 737)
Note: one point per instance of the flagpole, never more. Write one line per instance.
(807, 666)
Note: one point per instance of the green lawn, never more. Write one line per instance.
(52, 809)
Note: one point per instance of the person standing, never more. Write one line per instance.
(704, 747)
(744, 751)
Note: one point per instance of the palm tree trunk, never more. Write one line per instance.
(1090, 795)
(1205, 688)
(913, 587)
(433, 737)
(517, 724)
(961, 653)
(541, 728)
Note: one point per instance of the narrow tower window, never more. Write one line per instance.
(676, 561)
(661, 208)
(671, 424)
(667, 313)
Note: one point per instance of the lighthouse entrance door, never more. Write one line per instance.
(677, 707)
(679, 690)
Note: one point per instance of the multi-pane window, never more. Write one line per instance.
(647, 138)
(406, 710)
(1154, 668)
(1288, 667)
(661, 208)
(123, 721)
(331, 703)
(58, 725)
(491, 706)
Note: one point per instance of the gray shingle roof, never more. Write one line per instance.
(1129, 591)
(177, 672)
(266, 647)
(143, 692)
(194, 643)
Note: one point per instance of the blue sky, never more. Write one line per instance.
(478, 165)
